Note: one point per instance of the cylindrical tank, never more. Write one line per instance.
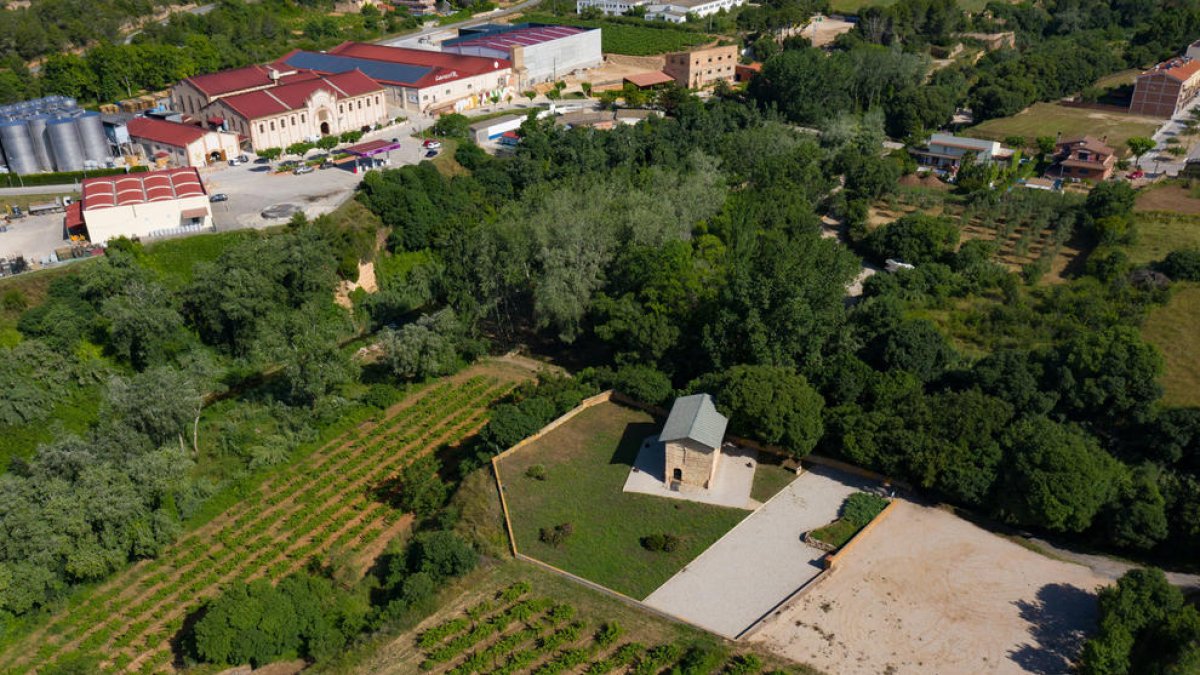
(65, 145)
(91, 134)
(40, 142)
(18, 151)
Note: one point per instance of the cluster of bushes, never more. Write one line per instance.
(662, 543)
(529, 409)
(1146, 626)
(557, 535)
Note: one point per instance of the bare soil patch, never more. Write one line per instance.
(927, 592)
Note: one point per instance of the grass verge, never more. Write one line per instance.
(1172, 328)
(1049, 119)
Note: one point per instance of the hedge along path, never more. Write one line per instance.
(134, 586)
(155, 644)
(347, 468)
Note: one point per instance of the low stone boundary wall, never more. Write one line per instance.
(832, 559)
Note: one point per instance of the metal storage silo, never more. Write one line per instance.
(40, 142)
(91, 134)
(65, 145)
(18, 151)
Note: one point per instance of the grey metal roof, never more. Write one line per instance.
(383, 71)
(695, 417)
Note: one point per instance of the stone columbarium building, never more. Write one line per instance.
(691, 439)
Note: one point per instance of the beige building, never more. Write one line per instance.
(692, 438)
(703, 67)
(1166, 88)
(181, 144)
(144, 205)
(274, 107)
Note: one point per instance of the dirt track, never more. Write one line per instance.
(928, 592)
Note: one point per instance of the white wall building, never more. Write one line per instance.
(149, 204)
(181, 144)
(609, 7)
(676, 11)
(538, 52)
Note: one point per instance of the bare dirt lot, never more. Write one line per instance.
(928, 592)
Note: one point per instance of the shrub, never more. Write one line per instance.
(1181, 265)
(664, 543)
(744, 664)
(536, 472)
(862, 507)
(557, 535)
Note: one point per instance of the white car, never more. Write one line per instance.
(431, 144)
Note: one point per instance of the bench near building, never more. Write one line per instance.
(154, 203)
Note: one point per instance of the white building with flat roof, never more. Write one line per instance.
(149, 204)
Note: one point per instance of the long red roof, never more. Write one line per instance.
(281, 99)
(140, 188)
(1181, 69)
(242, 79)
(164, 132)
(466, 65)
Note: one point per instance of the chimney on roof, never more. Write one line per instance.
(273, 74)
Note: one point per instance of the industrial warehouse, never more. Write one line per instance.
(538, 52)
(149, 204)
(417, 80)
(52, 134)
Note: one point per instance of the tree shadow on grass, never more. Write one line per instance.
(1060, 619)
(631, 441)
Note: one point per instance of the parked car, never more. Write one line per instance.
(302, 170)
(243, 158)
(219, 197)
(432, 153)
(1134, 175)
(431, 144)
(235, 161)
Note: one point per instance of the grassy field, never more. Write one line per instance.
(1173, 329)
(1048, 119)
(1117, 79)
(587, 461)
(633, 40)
(1160, 233)
(176, 259)
(323, 501)
(402, 654)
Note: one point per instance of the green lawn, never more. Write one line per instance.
(1048, 119)
(769, 479)
(587, 461)
(631, 39)
(1173, 329)
(1160, 233)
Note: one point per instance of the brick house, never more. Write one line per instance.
(1165, 88)
(702, 67)
(1084, 158)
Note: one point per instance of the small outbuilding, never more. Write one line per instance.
(692, 438)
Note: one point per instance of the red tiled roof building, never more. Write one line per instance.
(143, 205)
(182, 144)
(1166, 88)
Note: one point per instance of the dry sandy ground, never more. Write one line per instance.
(825, 31)
(927, 592)
(757, 564)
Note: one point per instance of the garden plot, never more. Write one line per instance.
(927, 592)
(760, 562)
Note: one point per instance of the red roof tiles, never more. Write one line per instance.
(464, 65)
(649, 79)
(244, 79)
(1181, 68)
(255, 104)
(164, 132)
(140, 188)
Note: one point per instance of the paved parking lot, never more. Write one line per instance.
(761, 561)
(34, 237)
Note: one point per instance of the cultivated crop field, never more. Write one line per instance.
(320, 503)
(515, 618)
(631, 39)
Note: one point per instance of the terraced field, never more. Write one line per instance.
(319, 503)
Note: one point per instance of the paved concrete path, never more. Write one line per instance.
(731, 486)
(757, 564)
